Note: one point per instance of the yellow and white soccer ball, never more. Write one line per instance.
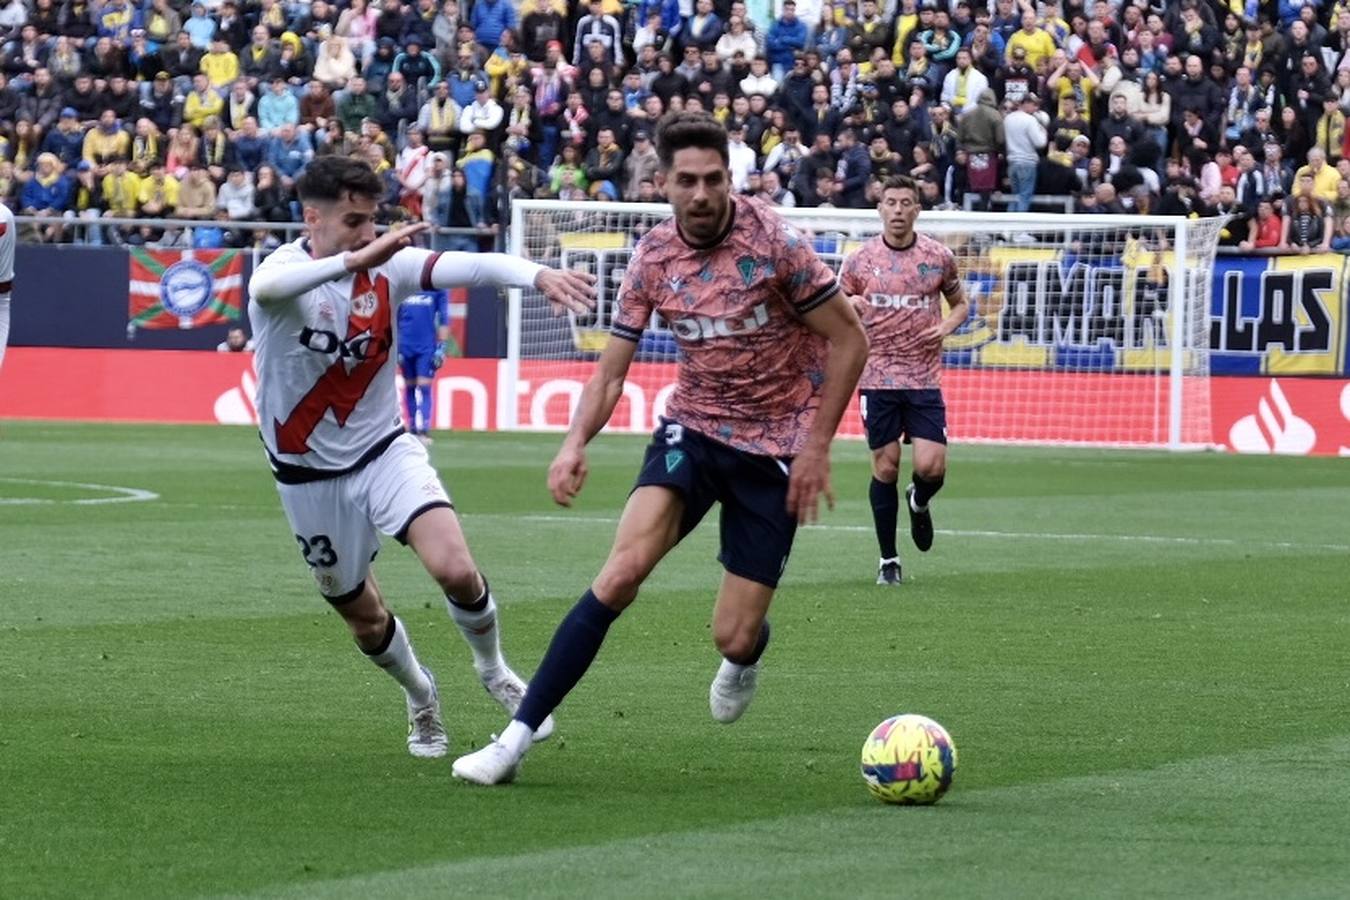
(909, 759)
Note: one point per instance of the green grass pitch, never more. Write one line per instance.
(1141, 657)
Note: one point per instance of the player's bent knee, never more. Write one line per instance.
(457, 576)
(736, 643)
(367, 618)
(618, 582)
(932, 468)
(885, 470)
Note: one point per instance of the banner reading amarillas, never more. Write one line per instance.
(183, 288)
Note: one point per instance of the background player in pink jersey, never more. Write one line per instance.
(770, 351)
(897, 281)
(323, 310)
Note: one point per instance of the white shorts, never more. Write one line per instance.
(337, 522)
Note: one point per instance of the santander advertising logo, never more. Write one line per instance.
(1273, 428)
(238, 405)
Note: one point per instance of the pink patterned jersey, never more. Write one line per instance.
(902, 291)
(750, 371)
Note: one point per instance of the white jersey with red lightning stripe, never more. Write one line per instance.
(8, 238)
(326, 360)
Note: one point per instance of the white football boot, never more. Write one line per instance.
(494, 764)
(508, 689)
(732, 690)
(426, 732)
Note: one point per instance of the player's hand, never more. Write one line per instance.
(934, 335)
(807, 480)
(859, 304)
(566, 290)
(380, 250)
(567, 474)
(438, 358)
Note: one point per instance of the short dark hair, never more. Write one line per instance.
(330, 178)
(900, 183)
(682, 130)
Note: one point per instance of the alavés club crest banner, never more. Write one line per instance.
(184, 288)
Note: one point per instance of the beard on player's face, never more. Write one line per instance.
(704, 220)
(698, 186)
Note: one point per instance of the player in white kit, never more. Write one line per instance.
(8, 238)
(323, 310)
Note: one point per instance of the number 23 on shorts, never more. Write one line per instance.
(317, 551)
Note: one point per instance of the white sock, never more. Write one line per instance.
(399, 661)
(4, 325)
(479, 628)
(517, 737)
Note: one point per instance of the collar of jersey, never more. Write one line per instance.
(913, 239)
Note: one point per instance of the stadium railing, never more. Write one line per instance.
(1040, 202)
(81, 227)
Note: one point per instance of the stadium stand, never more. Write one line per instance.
(210, 110)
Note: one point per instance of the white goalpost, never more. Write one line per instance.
(1085, 330)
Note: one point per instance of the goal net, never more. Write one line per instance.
(1083, 329)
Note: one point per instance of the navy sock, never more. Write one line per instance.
(424, 406)
(925, 488)
(885, 508)
(760, 646)
(410, 400)
(569, 655)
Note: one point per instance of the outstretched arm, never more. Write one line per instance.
(563, 288)
(568, 472)
(836, 321)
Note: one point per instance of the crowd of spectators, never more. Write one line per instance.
(210, 110)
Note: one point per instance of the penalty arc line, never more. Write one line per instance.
(123, 494)
(1017, 535)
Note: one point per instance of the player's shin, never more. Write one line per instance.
(885, 500)
(477, 621)
(395, 655)
(424, 399)
(573, 648)
(411, 405)
(924, 489)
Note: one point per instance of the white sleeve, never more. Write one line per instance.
(454, 269)
(471, 270)
(414, 269)
(291, 275)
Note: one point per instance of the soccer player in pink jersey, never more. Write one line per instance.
(897, 280)
(324, 310)
(771, 351)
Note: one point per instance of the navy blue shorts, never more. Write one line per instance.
(892, 415)
(417, 365)
(757, 531)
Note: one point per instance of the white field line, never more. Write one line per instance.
(122, 494)
(995, 535)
